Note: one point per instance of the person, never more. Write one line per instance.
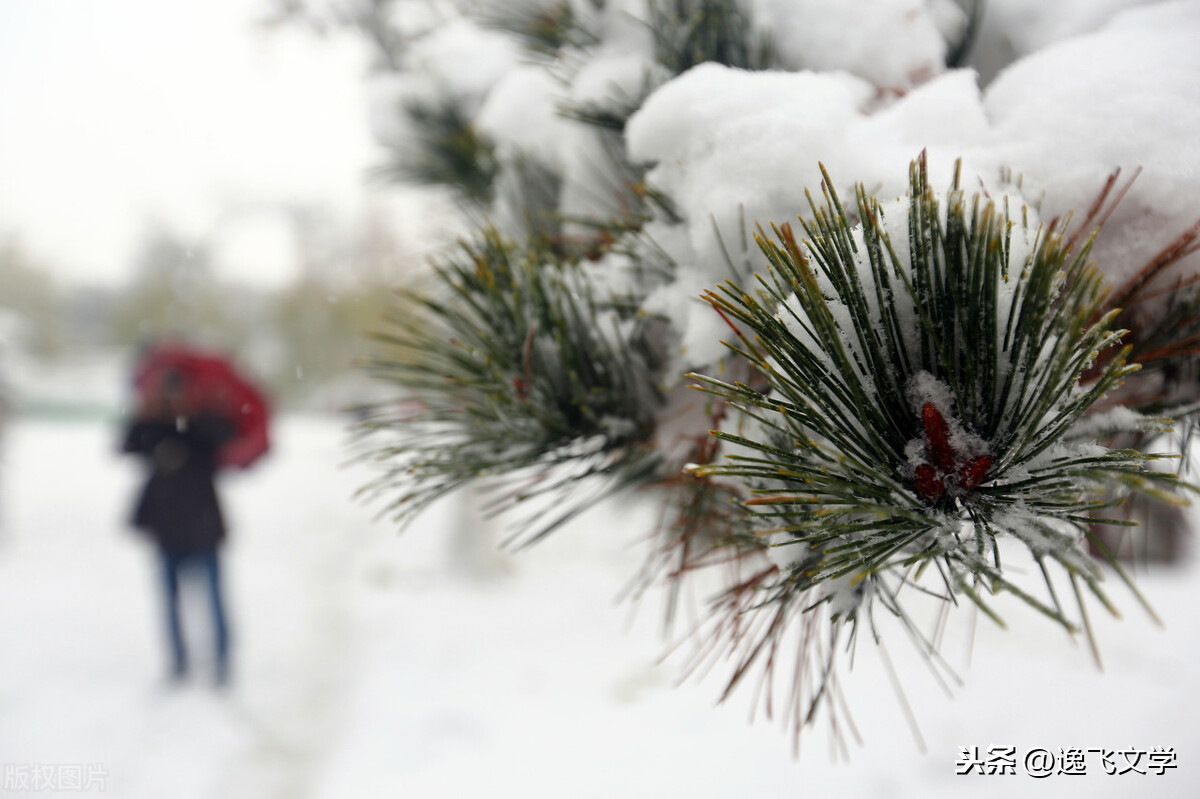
(178, 507)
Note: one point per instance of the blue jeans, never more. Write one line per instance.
(205, 561)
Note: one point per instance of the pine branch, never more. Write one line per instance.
(924, 400)
(691, 32)
(445, 149)
(546, 28)
(526, 378)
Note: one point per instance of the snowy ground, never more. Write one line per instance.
(368, 667)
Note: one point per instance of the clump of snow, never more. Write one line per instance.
(785, 551)
(385, 97)
(455, 62)
(1051, 125)
(1010, 29)
(721, 139)
(414, 20)
(893, 44)
(713, 117)
(520, 115)
(724, 141)
(617, 74)
(944, 116)
(462, 58)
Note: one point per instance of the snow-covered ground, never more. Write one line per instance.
(368, 666)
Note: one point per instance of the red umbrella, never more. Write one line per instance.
(212, 385)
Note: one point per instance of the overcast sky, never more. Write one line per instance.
(115, 113)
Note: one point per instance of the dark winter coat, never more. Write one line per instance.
(178, 508)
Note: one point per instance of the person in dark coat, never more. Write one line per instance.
(178, 507)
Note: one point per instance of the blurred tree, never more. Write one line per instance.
(35, 300)
(173, 293)
(319, 328)
(319, 319)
